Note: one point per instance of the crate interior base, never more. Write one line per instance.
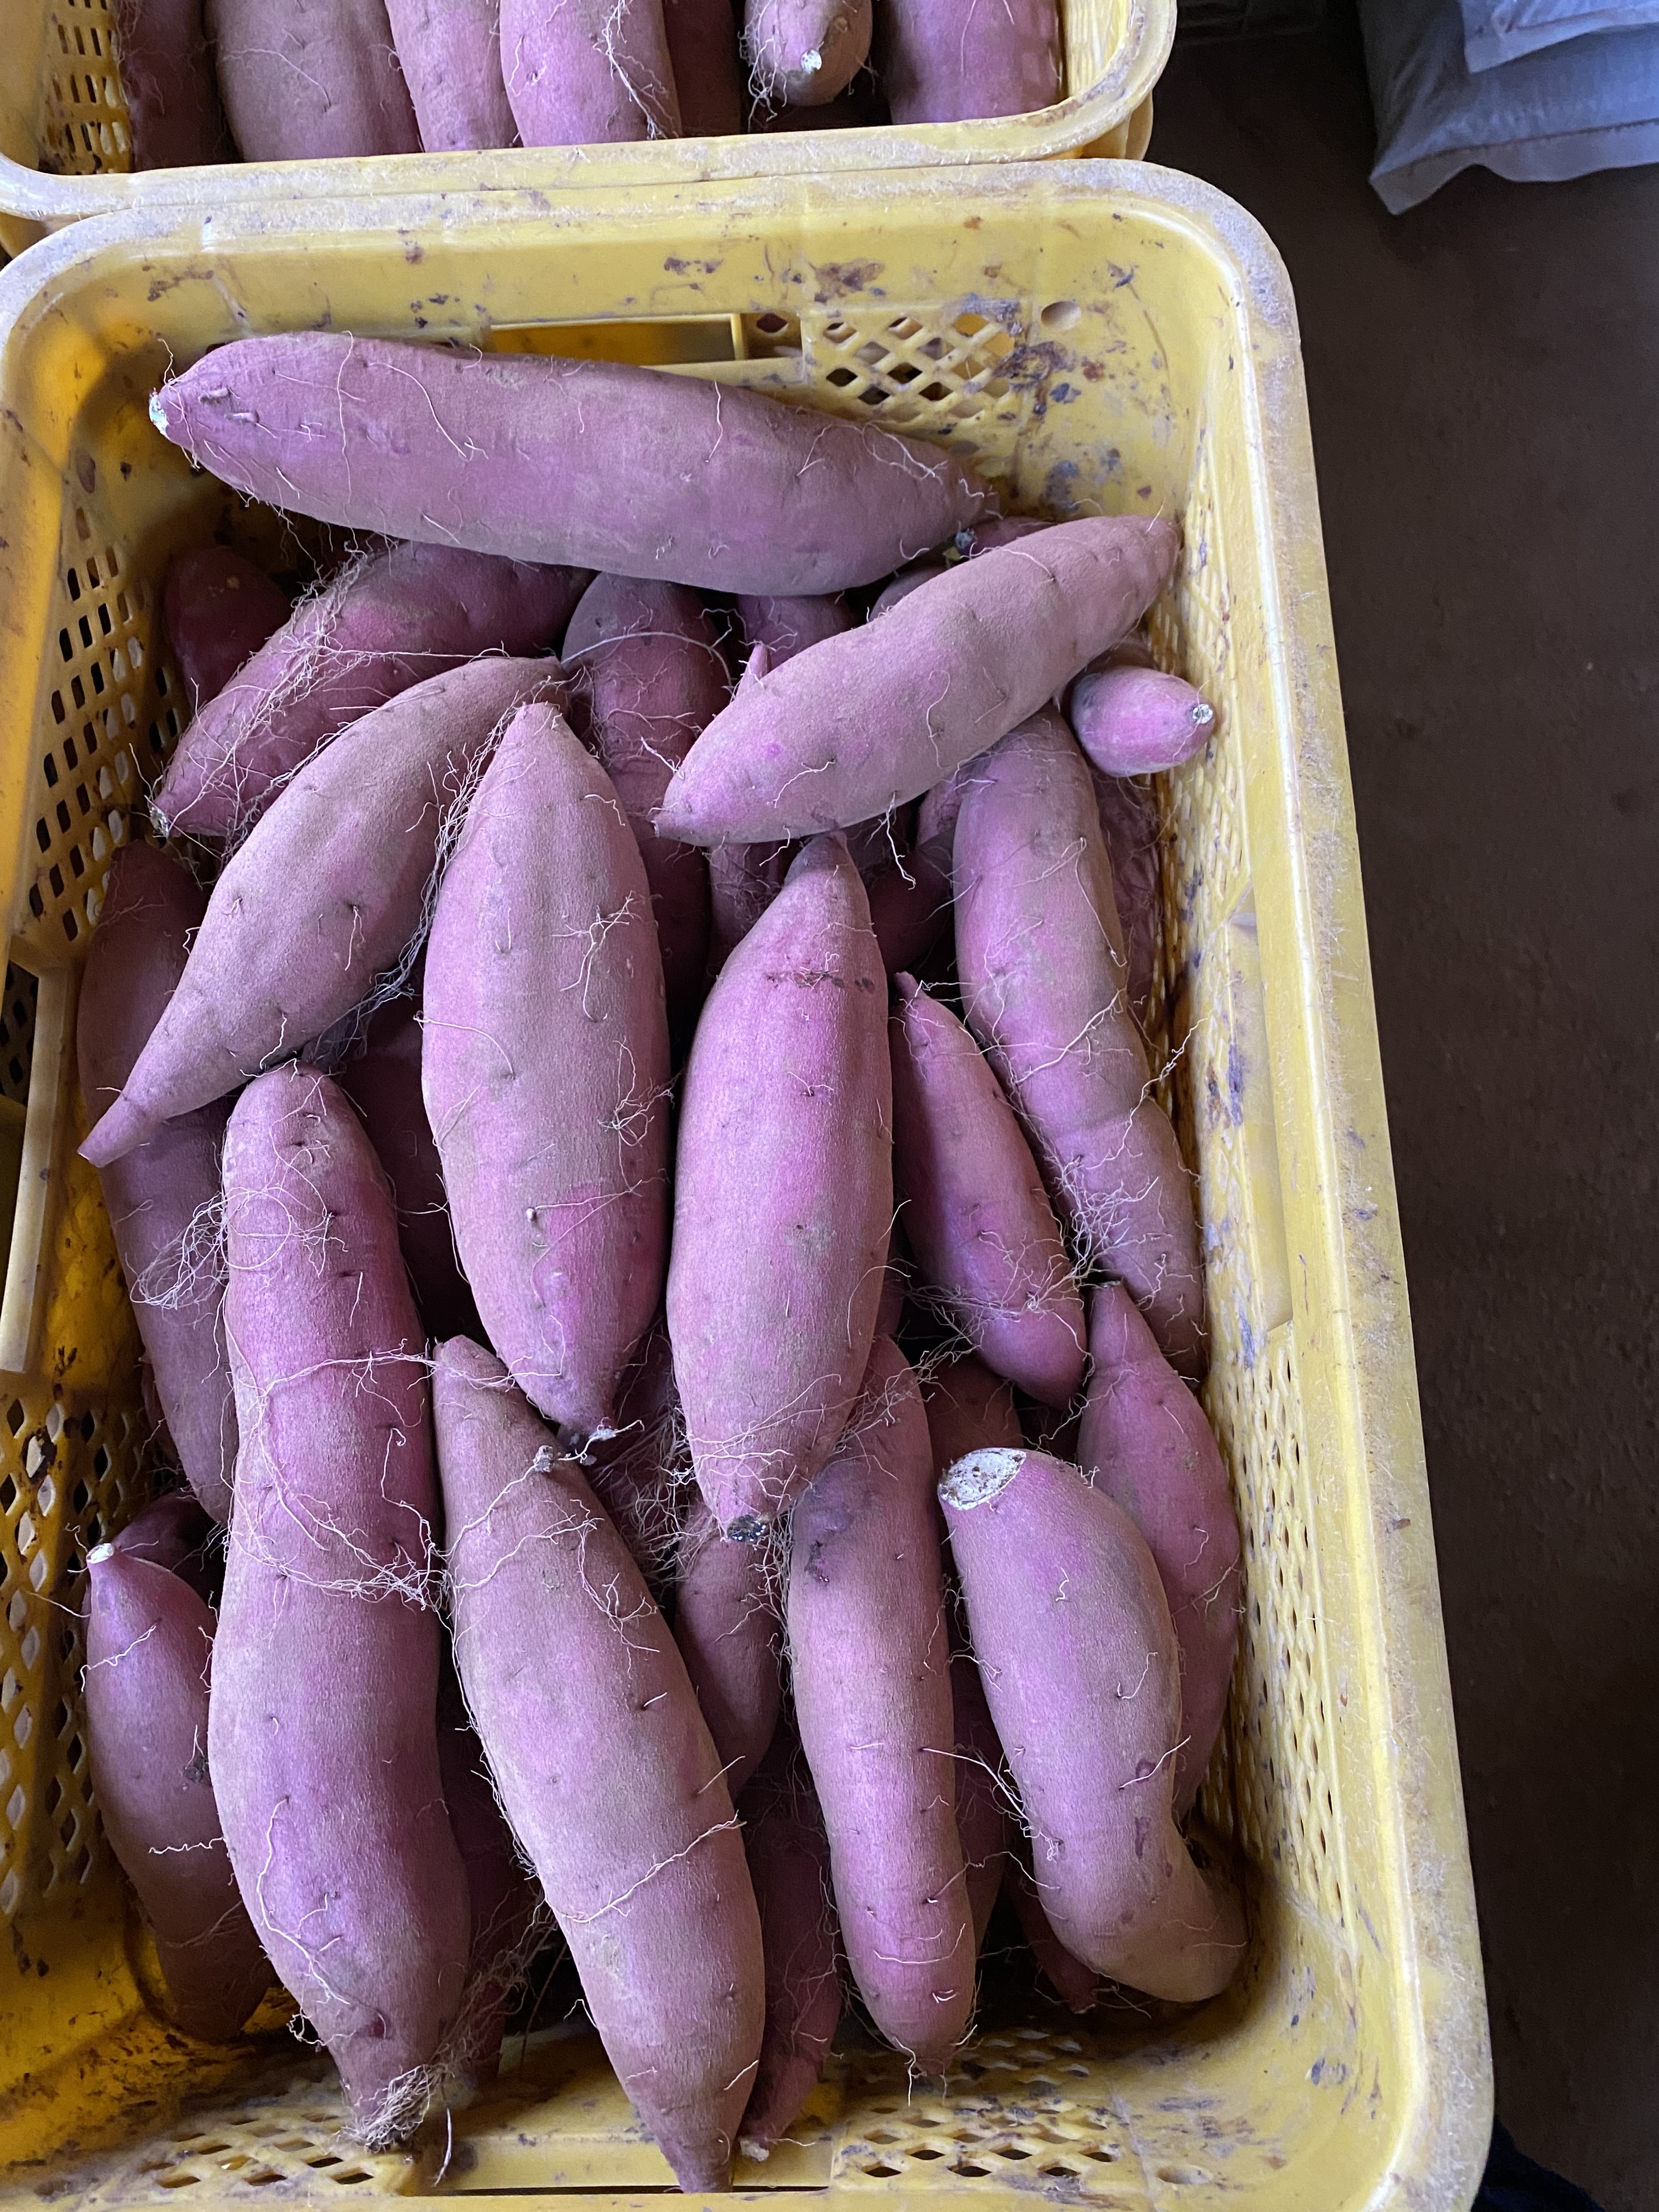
(1042, 2104)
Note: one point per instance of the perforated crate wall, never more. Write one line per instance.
(83, 122)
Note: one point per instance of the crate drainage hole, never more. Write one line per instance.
(1189, 2175)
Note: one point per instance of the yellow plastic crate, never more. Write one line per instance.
(64, 149)
(1096, 335)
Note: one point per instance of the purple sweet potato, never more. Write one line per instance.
(858, 724)
(967, 1408)
(1132, 722)
(1077, 1987)
(174, 119)
(588, 72)
(174, 1532)
(323, 1731)
(163, 1196)
(384, 622)
(910, 896)
(383, 1081)
(1081, 1670)
(727, 1625)
(640, 1474)
(870, 1663)
(987, 1245)
(909, 578)
(894, 1284)
(505, 1908)
(450, 52)
(744, 879)
(789, 1860)
(982, 1817)
(150, 1642)
(703, 52)
(218, 609)
(644, 664)
(1128, 822)
(545, 1063)
(948, 61)
(803, 52)
(1145, 1442)
(783, 1193)
(743, 882)
(1042, 974)
(983, 538)
(311, 80)
(998, 530)
(615, 468)
(788, 626)
(604, 1766)
(323, 899)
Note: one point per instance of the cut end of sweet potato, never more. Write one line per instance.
(981, 1475)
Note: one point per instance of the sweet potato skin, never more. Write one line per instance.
(609, 466)
(726, 1626)
(870, 1664)
(1128, 822)
(947, 61)
(505, 1906)
(1131, 720)
(1043, 988)
(969, 1409)
(648, 677)
(450, 52)
(783, 1196)
(603, 1763)
(1144, 1441)
(387, 622)
(383, 1081)
(217, 609)
(160, 1196)
(173, 1531)
(910, 897)
(318, 903)
(588, 72)
(1081, 1671)
(640, 1475)
(332, 1804)
(788, 626)
(863, 722)
(982, 1818)
(789, 1859)
(803, 52)
(1077, 1985)
(174, 118)
(311, 80)
(149, 1641)
(976, 1217)
(544, 1067)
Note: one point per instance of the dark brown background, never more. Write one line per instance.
(1483, 375)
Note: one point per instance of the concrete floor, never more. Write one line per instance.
(1483, 375)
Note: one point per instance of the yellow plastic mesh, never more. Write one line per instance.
(83, 111)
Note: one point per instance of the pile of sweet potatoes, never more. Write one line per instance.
(292, 79)
(660, 1260)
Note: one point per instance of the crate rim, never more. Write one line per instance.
(1443, 2129)
(28, 195)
